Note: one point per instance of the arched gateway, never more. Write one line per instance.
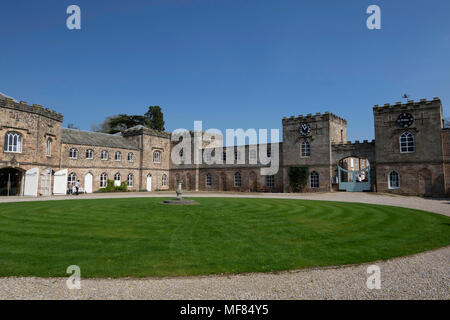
(11, 181)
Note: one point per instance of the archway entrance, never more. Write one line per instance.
(354, 174)
(10, 182)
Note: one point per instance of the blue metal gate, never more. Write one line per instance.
(356, 181)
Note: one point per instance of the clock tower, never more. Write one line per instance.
(307, 141)
(409, 145)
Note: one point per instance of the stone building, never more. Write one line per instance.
(410, 155)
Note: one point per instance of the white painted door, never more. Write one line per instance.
(31, 182)
(149, 183)
(46, 182)
(88, 178)
(60, 182)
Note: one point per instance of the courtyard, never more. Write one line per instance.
(229, 238)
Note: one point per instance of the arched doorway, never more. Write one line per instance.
(10, 182)
(46, 182)
(252, 183)
(425, 183)
(149, 182)
(223, 182)
(88, 181)
(354, 174)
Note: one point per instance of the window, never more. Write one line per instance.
(237, 155)
(118, 156)
(73, 153)
(394, 180)
(208, 180)
(270, 181)
(237, 179)
(224, 156)
(253, 155)
(208, 157)
(269, 152)
(164, 180)
(130, 180)
(104, 155)
(157, 156)
(71, 179)
(103, 180)
(117, 179)
(13, 142)
(89, 154)
(314, 179)
(48, 148)
(306, 149)
(130, 157)
(407, 143)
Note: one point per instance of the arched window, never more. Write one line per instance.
(130, 157)
(71, 179)
(118, 156)
(89, 154)
(13, 142)
(270, 181)
(164, 180)
(407, 142)
(48, 148)
(104, 155)
(237, 179)
(306, 149)
(73, 153)
(394, 180)
(208, 180)
(117, 179)
(103, 180)
(314, 179)
(130, 180)
(157, 156)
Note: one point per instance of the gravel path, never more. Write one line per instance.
(422, 276)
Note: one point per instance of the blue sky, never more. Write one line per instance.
(231, 63)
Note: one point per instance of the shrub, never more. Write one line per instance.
(111, 187)
(298, 178)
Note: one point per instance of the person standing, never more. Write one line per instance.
(77, 187)
(70, 188)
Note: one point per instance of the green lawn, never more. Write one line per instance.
(140, 237)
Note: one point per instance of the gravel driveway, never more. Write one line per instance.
(422, 276)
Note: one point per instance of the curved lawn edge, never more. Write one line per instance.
(270, 270)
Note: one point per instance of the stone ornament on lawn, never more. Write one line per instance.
(179, 199)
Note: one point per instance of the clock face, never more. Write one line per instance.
(305, 129)
(405, 120)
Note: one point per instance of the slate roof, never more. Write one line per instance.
(89, 138)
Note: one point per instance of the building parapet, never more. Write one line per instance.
(316, 117)
(352, 145)
(410, 105)
(9, 103)
(138, 130)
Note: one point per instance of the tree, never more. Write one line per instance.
(154, 118)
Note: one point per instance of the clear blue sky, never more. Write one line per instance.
(231, 63)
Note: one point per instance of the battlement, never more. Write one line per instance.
(316, 117)
(353, 145)
(9, 103)
(410, 105)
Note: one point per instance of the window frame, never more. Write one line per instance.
(390, 187)
(130, 157)
(407, 143)
(164, 180)
(305, 149)
(208, 181)
(270, 181)
(48, 147)
(103, 153)
(237, 180)
(103, 180)
(91, 154)
(118, 159)
(130, 178)
(73, 153)
(9, 143)
(314, 180)
(157, 159)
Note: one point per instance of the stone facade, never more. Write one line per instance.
(424, 172)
